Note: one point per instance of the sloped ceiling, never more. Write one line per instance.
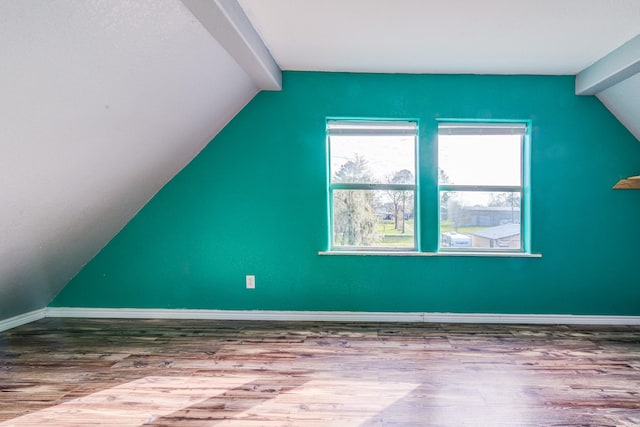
(623, 99)
(615, 80)
(102, 102)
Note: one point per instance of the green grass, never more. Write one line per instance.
(446, 226)
(406, 240)
(386, 227)
(393, 237)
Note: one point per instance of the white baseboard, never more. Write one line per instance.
(22, 319)
(532, 319)
(341, 316)
(153, 313)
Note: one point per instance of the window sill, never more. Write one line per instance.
(432, 254)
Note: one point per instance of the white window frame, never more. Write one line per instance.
(374, 128)
(491, 128)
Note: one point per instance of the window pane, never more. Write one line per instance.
(372, 159)
(480, 159)
(373, 218)
(480, 220)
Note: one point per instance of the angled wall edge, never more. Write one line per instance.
(22, 319)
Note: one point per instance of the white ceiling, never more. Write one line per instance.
(443, 36)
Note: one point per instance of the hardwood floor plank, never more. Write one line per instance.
(107, 372)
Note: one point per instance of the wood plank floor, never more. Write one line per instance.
(79, 372)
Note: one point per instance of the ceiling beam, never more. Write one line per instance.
(226, 21)
(615, 67)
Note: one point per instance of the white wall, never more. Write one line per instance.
(101, 103)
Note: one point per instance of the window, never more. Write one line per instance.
(372, 184)
(480, 179)
(478, 203)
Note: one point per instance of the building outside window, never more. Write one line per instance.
(480, 180)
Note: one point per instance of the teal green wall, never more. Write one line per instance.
(254, 202)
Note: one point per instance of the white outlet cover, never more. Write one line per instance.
(251, 282)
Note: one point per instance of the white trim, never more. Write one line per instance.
(531, 319)
(226, 21)
(341, 316)
(22, 319)
(146, 313)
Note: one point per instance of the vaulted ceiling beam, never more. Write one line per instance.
(226, 21)
(615, 67)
